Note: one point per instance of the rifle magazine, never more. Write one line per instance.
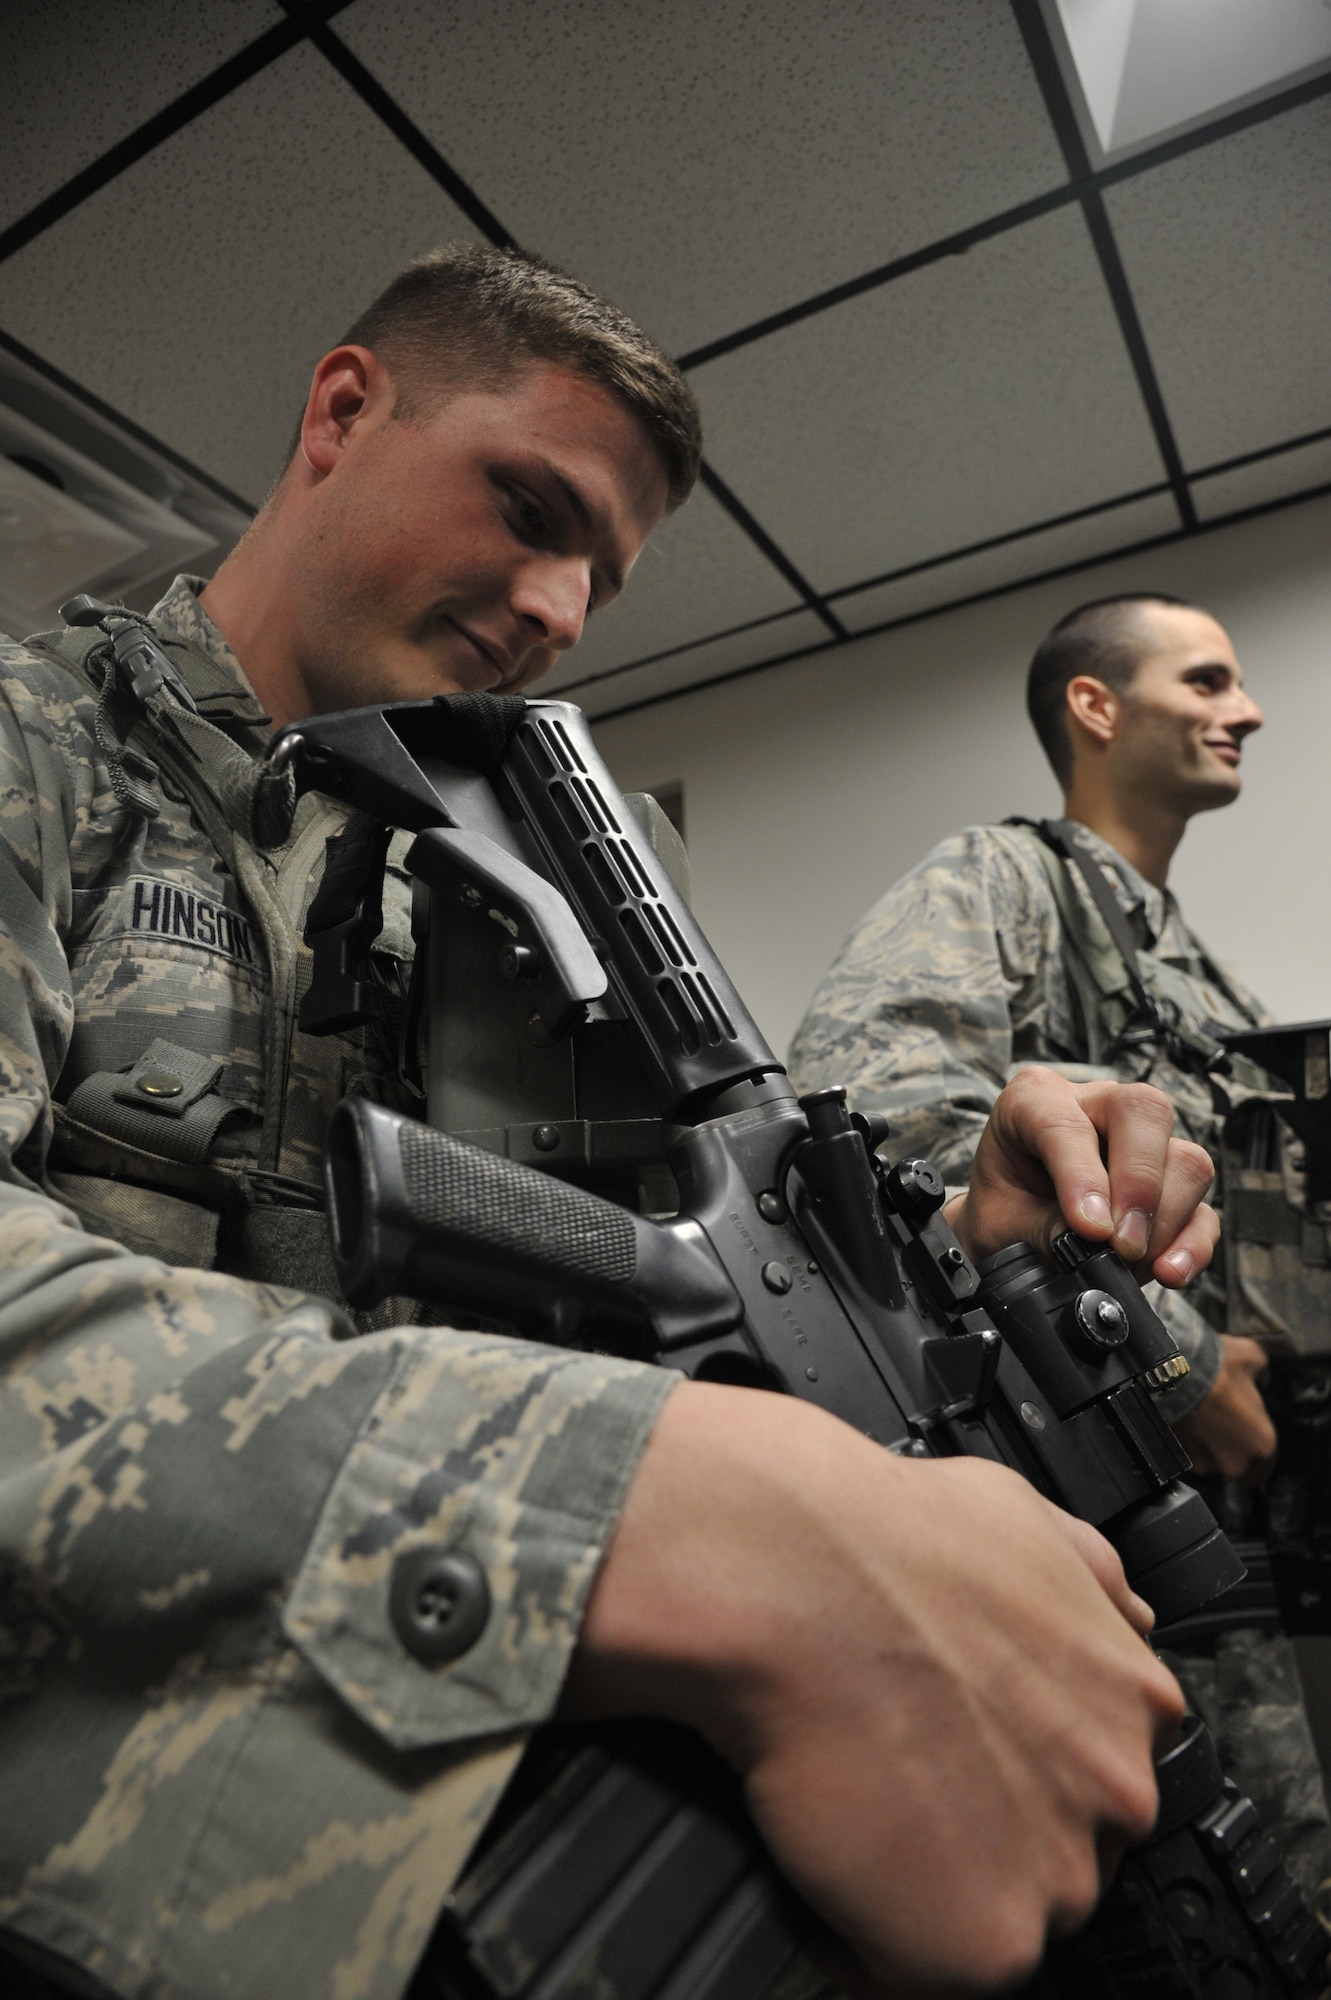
(623, 1867)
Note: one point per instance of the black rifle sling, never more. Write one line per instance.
(1059, 834)
(1187, 1051)
(481, 728)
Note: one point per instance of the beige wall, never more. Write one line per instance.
(810, 788)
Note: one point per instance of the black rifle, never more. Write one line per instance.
(622, 1864)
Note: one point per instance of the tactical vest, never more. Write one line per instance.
(1272, 1278)
(188, 1121)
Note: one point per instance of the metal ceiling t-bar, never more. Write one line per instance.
(1040, 50)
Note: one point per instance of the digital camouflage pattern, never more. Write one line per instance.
(952, 982)
(957, 978)
(220, 1770)
(155, 911)
(1247, 1692)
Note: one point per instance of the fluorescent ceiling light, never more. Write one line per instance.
(1140, 69)
(86, 505)
(49, 544)
(67, 524)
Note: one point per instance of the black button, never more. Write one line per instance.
(439, 1602)
(771, 1207)
(777, 1277)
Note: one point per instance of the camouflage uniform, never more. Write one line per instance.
(962, 974)
(221, 1770)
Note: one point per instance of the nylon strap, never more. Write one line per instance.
(1187, 1050)
(1089, 866)
(220, 773)
(481, 728)
(167, 1103)
(1059, 835)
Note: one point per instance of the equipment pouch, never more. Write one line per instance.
(1277, 1265)
(146, 1220)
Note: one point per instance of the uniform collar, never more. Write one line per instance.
(179, 615)
(1139, 899)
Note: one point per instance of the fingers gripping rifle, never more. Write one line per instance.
(574, 1015)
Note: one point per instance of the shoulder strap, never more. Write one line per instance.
(1059, 836)
(1187, 1048)
(147, 694)
(1098, 984)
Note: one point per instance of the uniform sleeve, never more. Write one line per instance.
(930, 996)
(1197, 1342)
(46, 788)
(232, 1755)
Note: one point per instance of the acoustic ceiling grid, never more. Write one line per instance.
(938, 354)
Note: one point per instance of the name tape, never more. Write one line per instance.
(162, 910)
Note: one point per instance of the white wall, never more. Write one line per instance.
(808, 789)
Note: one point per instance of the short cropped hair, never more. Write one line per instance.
(470, 318)
(1103, 638)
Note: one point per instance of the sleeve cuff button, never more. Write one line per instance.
(439, 1602)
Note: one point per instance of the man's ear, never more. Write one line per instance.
(1094, 710)
(350, 387)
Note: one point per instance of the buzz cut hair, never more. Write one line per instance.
(1104, 638)
(466, 317)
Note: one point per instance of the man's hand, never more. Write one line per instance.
(1096, 1157)
(932, 1680)
(1231, 1431)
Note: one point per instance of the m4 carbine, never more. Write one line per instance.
(567, 1010)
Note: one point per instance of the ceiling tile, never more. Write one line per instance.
(1228, 253)
(78, 75)
(981, 393)
(710, 162)
(699, 574)
(757, 636)
(798, 633)
(1277, 478)
(235, 254)
(1075, 542)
